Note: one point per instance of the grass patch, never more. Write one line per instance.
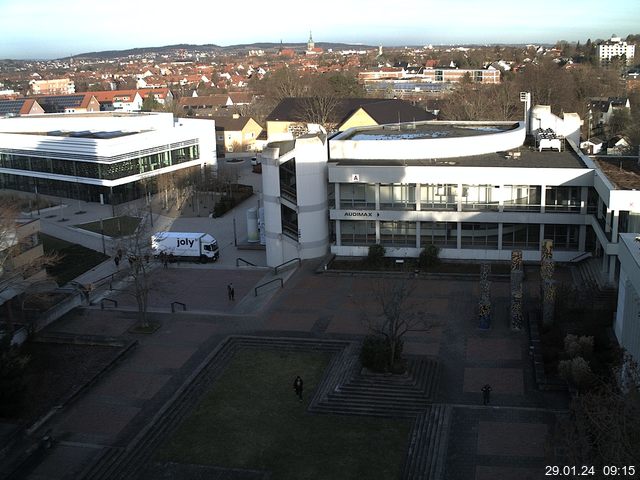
(74, 259)
(113, 227)
(252, 419)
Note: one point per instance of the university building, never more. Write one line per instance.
(105, 157)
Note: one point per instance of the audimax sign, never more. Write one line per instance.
(361, 214)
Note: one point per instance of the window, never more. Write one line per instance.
(398, 234)
(438, 197)
(478, 197)
(563, 199)
(564, 237)
(398, 197)
(357, 195)
(480, 235)
(353, 232)
(520, 236)
(441, 234)
(521, 198)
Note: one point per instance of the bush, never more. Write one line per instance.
(376, 352)
(375, 257)
(576, 346)
(576, 371)
(429, 257)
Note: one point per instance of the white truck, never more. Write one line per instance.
(201, 246)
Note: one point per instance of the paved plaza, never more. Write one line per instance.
(506, 439)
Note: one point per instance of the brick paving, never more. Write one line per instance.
(484, 442)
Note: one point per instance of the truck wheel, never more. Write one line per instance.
(203, 259)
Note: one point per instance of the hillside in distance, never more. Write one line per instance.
(213, 48)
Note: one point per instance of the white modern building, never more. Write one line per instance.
(477, 190)
(103, 157)
(627, 324)
(615, 47)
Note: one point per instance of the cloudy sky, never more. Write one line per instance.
(59, 28)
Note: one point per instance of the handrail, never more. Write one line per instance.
(275, 270)
(173, 306)
(114, 302)
(255, 290)
(245, 261)
(580, 257)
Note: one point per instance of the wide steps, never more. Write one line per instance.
(426, 455)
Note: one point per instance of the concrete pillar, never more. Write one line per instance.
(418, 233)
(418, 196)
(377, 231)
(338, 234)
(543, 200)
(615, 224)
(337, 195)
(271, 203)
(582, 238)
(500, 192)
(459, 235)
(377, 191)
(500, 236)
(607, 221)
(459, 199)
(541, 239)
(612, 269)
(584, 194)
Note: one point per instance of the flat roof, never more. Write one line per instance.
(97, 135)
(422, 130)
(624, 173)
(528, 159)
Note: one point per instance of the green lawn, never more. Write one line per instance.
(113, 227)
(74, 259)
(252, 419)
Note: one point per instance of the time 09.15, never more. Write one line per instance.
(589, 470)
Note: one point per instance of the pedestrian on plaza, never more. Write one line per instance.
(486, 393)
(116, 260)
(297, 387)
(230, 291)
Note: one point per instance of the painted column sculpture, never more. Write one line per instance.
(547, 284)
(484, 306)
(517, 275)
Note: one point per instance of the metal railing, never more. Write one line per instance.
(173, 306)
(286, 264)
(246, 262)
(255, 290)
(580, 257)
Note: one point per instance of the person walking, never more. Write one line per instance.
(230, 291)
(297, 386)
(116, 260)
(486, 393)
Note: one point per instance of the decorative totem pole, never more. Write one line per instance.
(517, 275)
(484, 307)
(547, 286)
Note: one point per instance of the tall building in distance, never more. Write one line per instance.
(615, 47)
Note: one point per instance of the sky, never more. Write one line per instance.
(47, 29)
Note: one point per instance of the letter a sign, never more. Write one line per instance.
(355, 177)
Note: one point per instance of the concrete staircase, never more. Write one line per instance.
(426, 455)
(588, 273)
(346, 390)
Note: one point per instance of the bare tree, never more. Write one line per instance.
(399, 313)
(20, 265)
(136, 250)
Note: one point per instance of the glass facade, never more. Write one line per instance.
(357, 233)
(102, 171)
(522, 236)
(521, 198)
(564, 237)
(289, 222)
(398, 234)
(441, 234)
(562, 199)
(357, 195)
(398, 197)
(480, 235)
(438, 197)
(479, 197)
(288, 187)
